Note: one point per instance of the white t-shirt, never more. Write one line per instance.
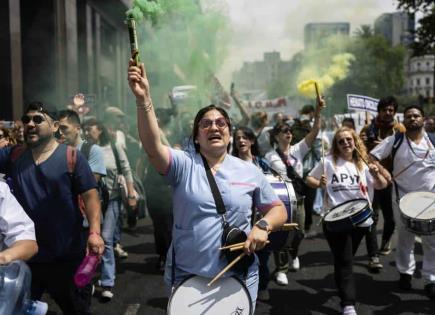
(344, 181)
(420, 176)
(296, 156)
(263, 140)
(15, 225)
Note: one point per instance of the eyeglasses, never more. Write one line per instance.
(220, 123)
(344, 140)
(37, 119)
(285, 130)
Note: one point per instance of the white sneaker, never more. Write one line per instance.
(107, 293)
(281, 278)
(349, 310)
(119, 252)
(295, 264)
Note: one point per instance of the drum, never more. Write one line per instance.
(285, 192)
(417, 211)
(225, 296)
(347, 215)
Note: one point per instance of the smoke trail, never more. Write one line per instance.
(337, 70)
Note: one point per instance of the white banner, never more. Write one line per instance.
(364, 103)
(280, 104)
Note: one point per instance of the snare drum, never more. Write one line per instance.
(225, 296)
(345, 216)
(417, 211)
(285, 192)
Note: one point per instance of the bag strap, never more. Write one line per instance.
(117, 159)
(16, 152)
(86, 149)
(220, 206)
(71, 158)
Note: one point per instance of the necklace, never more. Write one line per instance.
(45, 154)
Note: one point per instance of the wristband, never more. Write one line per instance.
(96, 233)
(131, 197)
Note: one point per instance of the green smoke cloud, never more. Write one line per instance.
(180, 44)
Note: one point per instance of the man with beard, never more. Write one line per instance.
(413, 170)
(48, 190)
(382, 126)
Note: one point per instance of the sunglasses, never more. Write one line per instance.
(285, 130)
(220, 123)
(37, 119)
(344, 141)
(2, 136)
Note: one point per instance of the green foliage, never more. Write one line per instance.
(378, 70)
(425, 32)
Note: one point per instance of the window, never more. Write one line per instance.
(417, 81)
(427, 80)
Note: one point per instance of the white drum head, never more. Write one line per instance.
(418, 205)
(346, 209)
(225, 296)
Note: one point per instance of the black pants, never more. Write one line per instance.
(162, 223)
(310, 196)
(381, 201)
(56, 278)
(344, 246)
(263, 268)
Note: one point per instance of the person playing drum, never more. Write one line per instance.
(286, 161)
(345, 177)
(413, 170)
(198, 229)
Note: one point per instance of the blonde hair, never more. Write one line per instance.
(357, 155)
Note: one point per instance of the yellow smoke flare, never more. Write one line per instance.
(338, 70)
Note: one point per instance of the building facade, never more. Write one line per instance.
(257, 75)
(421, 76)
(53, 49)
(315, 34)
(397, 27)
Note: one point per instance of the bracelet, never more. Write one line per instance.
(131, 197)
(146, 107)
(96, 233)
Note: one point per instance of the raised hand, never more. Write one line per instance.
(138, 81)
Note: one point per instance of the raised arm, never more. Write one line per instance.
(149, 132)
(309, 138)
(243, 111)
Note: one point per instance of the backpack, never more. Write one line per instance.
(103, 192)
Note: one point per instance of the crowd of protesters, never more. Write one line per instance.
(50, 157)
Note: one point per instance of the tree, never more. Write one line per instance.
(425, 32)
(364, 31)
(378, 70)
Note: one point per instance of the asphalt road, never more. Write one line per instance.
(140, 290)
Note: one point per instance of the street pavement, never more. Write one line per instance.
(140, 290)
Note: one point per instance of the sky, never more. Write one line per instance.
(260, 26)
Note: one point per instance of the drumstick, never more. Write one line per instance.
(367, 163)
(233, 249)
(284, 227)
(421, 212)
(226, 269)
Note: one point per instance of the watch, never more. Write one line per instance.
(262, 224)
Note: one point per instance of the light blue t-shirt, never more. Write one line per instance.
(197, 229)
(96, 159)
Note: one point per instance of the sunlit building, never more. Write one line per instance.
(421, 76)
